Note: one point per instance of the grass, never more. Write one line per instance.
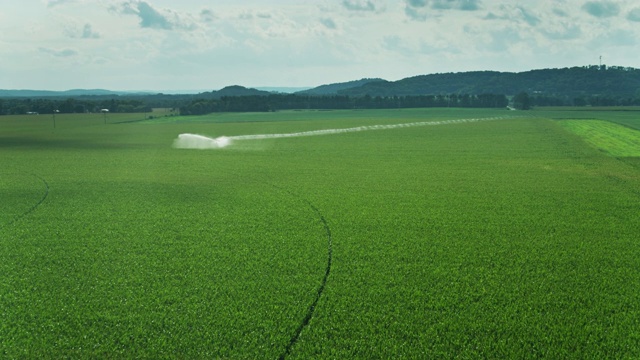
(502, 239)
(615, 139)
(627, 116)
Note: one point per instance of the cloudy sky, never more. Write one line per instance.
(209, 44)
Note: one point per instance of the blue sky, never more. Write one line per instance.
(206, 45)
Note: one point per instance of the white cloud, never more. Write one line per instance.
(421, 10)
(89, 33)
(514, 13)
(52, 3)
(562, 31)
(614, 38)
(329, 23)
(152, 18)
(634, 14)
(207, 15)
(359, 5)
(602, 9)
(529, 17)
(166, 44)
(560, 12)
(59, 53)
(74, 31)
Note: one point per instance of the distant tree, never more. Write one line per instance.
(522, 101)
(125, 108)
(580, 101)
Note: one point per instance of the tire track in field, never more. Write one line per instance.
(312, 307)
(35, 206)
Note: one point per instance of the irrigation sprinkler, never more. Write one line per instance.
(104, 113)
(54, 117)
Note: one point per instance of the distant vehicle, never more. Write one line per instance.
(32, 113)
(104, 110)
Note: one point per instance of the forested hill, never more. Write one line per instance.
(333, 89)
(576, 86)
(567, 82)
(237, 90)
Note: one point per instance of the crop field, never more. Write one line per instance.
(615, 139)
(627, 116)
(510, 236)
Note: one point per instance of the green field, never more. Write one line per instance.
(509, 238)
(615, 139)
(627, 116)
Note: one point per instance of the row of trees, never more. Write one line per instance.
(524, 101)
(15, 106)
(290, 102)
(203, 104)
(593, 100)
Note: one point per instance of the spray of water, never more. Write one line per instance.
(193, 141)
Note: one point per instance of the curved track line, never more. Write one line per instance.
(323, 283)
(31, 209)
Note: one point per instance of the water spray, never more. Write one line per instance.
(194, 141)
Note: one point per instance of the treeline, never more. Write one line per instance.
(545, 100)
(276, 102)
(204, 103)
(16, 106)
(253, 100)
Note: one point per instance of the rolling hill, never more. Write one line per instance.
(332, 89)
(571, 82)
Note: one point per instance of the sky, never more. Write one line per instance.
(209, 44)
